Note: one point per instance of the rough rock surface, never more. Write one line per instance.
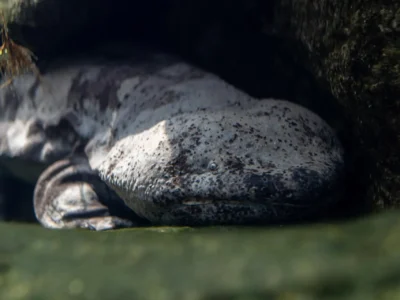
(353, 47)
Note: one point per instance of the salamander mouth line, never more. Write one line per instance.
(207, 201)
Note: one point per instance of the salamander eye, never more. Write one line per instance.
(212, 166)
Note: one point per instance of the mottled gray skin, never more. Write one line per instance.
(177, 144)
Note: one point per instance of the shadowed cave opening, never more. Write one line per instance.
(223, 37)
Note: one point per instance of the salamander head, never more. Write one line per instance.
(274, 162)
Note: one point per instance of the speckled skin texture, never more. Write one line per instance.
(177, 144)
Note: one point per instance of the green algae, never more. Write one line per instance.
(353, 48)
(357, 260)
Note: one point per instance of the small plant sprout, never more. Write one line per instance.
(14, 59)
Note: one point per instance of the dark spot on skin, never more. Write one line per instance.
(270, 165)
(169, 97)
(179, 164)
(260, 114)
(307, 179)
(264, 186)
(235, 136)
(308, 131)
(285, 111)
(235, 163)
(102, 89)
(114, 163)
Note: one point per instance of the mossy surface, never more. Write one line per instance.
(358, 260)
(353, 47)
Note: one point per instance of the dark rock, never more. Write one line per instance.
(353, 48)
